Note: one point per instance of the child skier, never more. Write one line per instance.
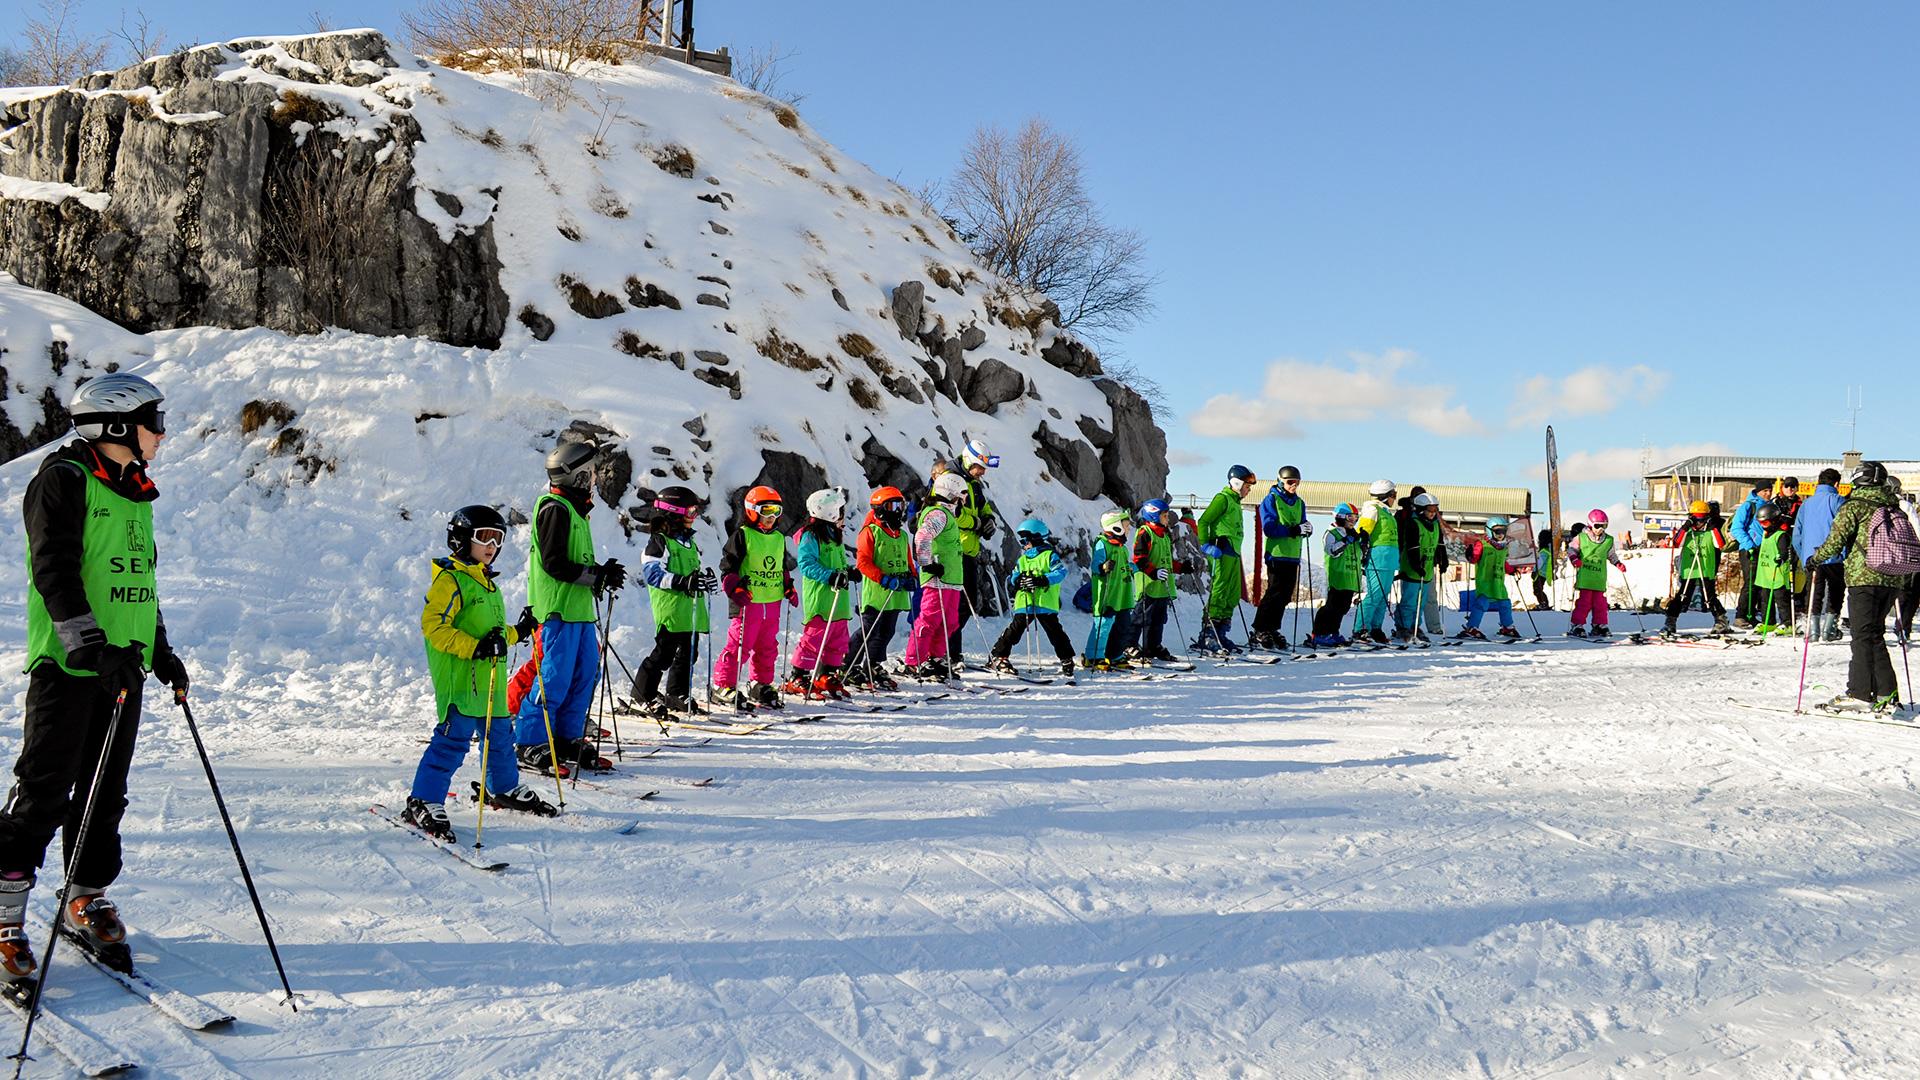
(884, 557)
(1490, 569)
(1035, 583)
(465, 626)
(1113, 590)
(1773, 577)
(936, 550)
(563, 584)
(1700, 542)
(1153, 558)
(1220, 533)
(826, 604)
(677, 588)
(756, 573)
(1542, 558)
(1420, 544)
(1592, 553)
(1345, 550)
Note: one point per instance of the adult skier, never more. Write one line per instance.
(1035, 582)
(1746, 533)
(1828, 578)
(884, 556)
(1870, 593)
(1283, 521)
(1380, 529)
(93, 629)
(465, 626)
(562, 584)
(1420, 543)
(1700, 542)
(756, 573)
(677, 591)
(1220, 533)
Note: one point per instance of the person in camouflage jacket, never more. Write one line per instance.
(1870, 593)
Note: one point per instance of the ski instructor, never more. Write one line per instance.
(93, 630)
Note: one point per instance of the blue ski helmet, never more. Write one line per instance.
(1497, 521)
(1240, 472)
(1345, 510)
(1032, 531)
(1152, 509)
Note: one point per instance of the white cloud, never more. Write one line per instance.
(1367, 386)
(1590, 390)
(1186, 458)
(1624, 462)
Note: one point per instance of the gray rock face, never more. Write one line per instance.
(992, 384)
(1071, 357)
(235, 221)
(793, 476)
(1071, 461)
(883, 469)
(1135, 462)
(909, 300)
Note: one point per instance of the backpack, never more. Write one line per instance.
(1892, 547)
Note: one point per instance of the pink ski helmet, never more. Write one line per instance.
(1597, 518)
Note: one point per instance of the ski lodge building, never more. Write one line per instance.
(1726, 480)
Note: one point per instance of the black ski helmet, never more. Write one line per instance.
(1288, 472)
(1869, 474)
(461, 525)
(569, 462)
(1240, 472)
(679, 496)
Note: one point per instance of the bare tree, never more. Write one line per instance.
(13, 67)
(321, 218)
(52, 49)
(320, 22)
(1021, 203)
(763, 70)
(519, 34)
(142, 38)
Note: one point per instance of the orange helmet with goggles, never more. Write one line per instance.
(763, 506)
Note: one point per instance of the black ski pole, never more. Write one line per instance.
(59, 906)
(1529, 609)
(234, 839)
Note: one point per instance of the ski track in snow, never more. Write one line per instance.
(1530, 861)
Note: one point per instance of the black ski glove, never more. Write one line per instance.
(1029, 583)
(934, 569)
(120, 665)
(168, 669)
(838, 580)
(609, 576)
(492, 646)
(706, 581)
(526, 624)
(86, 655)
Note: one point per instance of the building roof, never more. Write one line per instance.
(1455, 500)
(1740, 468)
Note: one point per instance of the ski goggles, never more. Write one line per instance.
(152, 417)
(683, 511)
(1597, 528)
(490, 537)
(769, 511)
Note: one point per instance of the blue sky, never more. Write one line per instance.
(1397, 238)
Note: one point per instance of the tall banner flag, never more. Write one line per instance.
(1553, 504)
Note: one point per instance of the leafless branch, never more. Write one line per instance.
(763, 69)
(53, 51)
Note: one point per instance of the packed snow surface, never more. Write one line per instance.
(1529, 860)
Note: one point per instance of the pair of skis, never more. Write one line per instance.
(90, 1054)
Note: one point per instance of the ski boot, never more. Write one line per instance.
(1576, 630)
(1720, 628)
(1378, 637)
(657, 710)
(91, 921)
(1091, 664)
(16, 953)
(1227, 644)
(933, 669)
(764, 696)
(797, 685)
(1669, 631)
(1848, 705)
(683, 704)
(729, 699)
(1266, 639)
(587, 755)
(429, 818)
(1509, 632)
(1600, 632)
(1066, 668)
(1471, 633)
(522, 798)
(1741, 622)
(884, 682)
(1121, 665)
(539, 758)
(1001, 665)
(828, 687)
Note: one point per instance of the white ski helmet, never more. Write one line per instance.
(976, 453)
(949, 487)
(827, 504)
(1114, 522)
(1380, 489)
(1424, 500)
(116, 400)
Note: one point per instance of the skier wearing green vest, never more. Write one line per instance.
(826, 599)
(756, 573)
(884, 556)
(563, 583)
(1113, 592)
(1158, 570)
(1700, 542)
(677, 591)
(1283, 521)
(1345, 550)
(1591, 553)
(1220, 532)
(1490, 569)
(1380, 527)
(1035, 583)
(464, 623)
(93, 628)
(1773, 577)
(936, 550)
